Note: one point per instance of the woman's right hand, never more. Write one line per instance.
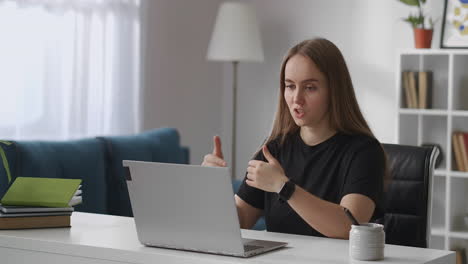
(216, 158)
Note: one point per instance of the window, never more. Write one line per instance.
(69, 69)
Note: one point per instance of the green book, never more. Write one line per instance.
(35, 191)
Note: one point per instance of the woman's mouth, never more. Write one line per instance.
(298, 113)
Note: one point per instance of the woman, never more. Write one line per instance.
(321, 156)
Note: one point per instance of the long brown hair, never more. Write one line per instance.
(344, 112)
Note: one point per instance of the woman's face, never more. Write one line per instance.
(306, 92)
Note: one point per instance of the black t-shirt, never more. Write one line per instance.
(340, 165)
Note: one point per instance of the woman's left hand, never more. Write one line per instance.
(267, 176)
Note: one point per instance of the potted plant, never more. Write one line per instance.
(422, 25)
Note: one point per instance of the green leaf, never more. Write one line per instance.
(415, 20)
(5, 142)
(5, 164)
(4, 159)
(410, 2)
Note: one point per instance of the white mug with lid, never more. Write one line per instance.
(367, 241)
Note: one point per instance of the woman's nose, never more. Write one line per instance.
(298, 96)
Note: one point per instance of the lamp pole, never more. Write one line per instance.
(235, 38)
(234, 111)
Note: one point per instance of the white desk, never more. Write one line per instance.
(108, 239)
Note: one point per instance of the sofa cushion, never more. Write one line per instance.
(78, 159)
(160, 145)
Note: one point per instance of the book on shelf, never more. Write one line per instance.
(410, 89)
(464, 154)
(417, 88)
(43, 192)
(460, 255)
(465, 145)
(412, 83)
(405, 84)
(457, 152)
(425, 89)
(460, 149)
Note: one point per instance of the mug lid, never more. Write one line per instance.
(368, 226)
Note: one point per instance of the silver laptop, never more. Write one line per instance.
(188, 207)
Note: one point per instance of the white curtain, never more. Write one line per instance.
(69, 68)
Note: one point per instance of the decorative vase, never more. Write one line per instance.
(422, 38)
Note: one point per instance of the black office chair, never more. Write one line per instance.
(408, 196)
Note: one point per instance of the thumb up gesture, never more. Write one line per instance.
(215, 159)
(267, 176)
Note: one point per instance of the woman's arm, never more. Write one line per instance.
(329, 218)
(326, 217)
(248, 215)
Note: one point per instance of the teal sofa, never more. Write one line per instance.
(97, 161)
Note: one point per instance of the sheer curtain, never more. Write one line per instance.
(69, 68)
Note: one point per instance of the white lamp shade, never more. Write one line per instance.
(236, 36)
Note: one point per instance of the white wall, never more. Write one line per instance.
(369, 34)
(181, 88)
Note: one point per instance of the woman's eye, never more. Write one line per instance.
(290, 86)
(311, 88)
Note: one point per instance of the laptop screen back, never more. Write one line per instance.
(184, 206)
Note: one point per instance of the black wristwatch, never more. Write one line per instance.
(287, 191)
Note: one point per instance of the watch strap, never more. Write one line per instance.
(287, 191)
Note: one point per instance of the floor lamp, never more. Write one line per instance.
(235, 38)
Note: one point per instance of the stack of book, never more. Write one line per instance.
(417, 88)
(39, 203)
(460, 147)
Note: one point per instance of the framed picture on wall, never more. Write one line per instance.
(455, 25)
